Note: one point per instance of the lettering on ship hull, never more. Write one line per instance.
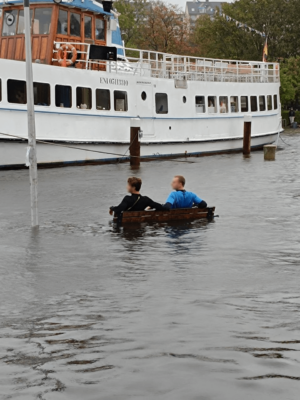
(113, 81)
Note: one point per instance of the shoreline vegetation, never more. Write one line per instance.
(159, 26)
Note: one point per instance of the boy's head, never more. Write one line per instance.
(178, 182)
(134, 184)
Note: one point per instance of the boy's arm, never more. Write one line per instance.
(123, 206)
(199, 202)
(170, 201)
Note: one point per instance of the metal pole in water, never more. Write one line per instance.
(247, 135)
(135, 146)
(31, 150)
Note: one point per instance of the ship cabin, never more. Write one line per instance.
(86, 23)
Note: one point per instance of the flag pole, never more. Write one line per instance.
(31, 150)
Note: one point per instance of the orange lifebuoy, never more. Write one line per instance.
(63, 53)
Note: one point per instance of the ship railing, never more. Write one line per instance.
(146, 63)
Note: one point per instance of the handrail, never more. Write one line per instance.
(155, 64)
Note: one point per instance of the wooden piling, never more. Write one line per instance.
(247, 138)
(270, 152)
(135, 147)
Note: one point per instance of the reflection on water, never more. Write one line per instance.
(193, 310)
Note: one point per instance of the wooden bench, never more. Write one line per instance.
(131, 217)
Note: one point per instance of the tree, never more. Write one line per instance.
(131, 19)
(278, 19)
(290, 80)
(165, 29)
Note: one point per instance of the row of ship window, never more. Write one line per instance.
(16, 93)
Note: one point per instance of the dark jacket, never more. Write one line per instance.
(131, 203)
(292, 113)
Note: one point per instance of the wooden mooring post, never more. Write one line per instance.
(270, 152)
(247, 135)
(135, 147)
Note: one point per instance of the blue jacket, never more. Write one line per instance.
(183, 199)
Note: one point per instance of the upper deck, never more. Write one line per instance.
(86, 23)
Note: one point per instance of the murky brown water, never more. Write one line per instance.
(195, 311)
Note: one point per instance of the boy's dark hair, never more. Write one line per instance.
(181, 179)
(135, 182)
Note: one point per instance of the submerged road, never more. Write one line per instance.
(194, 311)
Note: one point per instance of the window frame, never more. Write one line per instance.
(226, 105)
(253, 97)
(104, 90)
(275, 103)
(269, 96)
(167, 102)
(199, 104)
(247, 103)
(259, 105)
(215, 106)
(71, 95)
(126, 100)
(237, 102)
(9, 91)
(49, 94)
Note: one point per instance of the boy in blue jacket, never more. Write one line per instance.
(180, 198)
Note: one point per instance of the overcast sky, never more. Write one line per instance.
(181, 3)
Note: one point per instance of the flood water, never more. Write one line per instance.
(194, 311)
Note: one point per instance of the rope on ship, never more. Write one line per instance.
(93, 151)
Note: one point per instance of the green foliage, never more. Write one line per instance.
(277, 18)
(290, 80)
(133, 14)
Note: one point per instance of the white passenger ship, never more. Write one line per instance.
(88, 87)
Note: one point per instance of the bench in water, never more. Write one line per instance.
(130, 217)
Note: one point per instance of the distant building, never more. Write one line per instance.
(194, 9)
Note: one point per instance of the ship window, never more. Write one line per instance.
(16, 91)
(212, 104)
(41, 93)
(253, 101)
(0, 90)
(161, 101)
(21, 26)
(42, 21)
(269, 98)
(200, 104)
(62, 24)
(184, 99)
(99, 29)
(102, 99)
(84, 98)
(262, 103)
(10, 23)
(88, 27)
(75, 24)
(144, 96)
(275, 102)
(120, 100)
(234, 104)
(223, 103)
(63, 96)
(244, 104)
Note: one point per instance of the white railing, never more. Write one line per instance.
(146, 63)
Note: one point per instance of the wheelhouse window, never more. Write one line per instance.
(99, 29)
(120, 98)
(212, 104)
(200, 104)
(223, 103)
(88, 27)
(10, 19)
(161, 103)
(270, 105)
(275, 102)
(62, 24)
(16, 91)
(41, 93)
(262, 103)
(74, 24)
(42, 21)
(102, 99)
(253, 101)
(234, 104)
(244, 104)
(21, 23)
(84, 98)
(63, 96)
